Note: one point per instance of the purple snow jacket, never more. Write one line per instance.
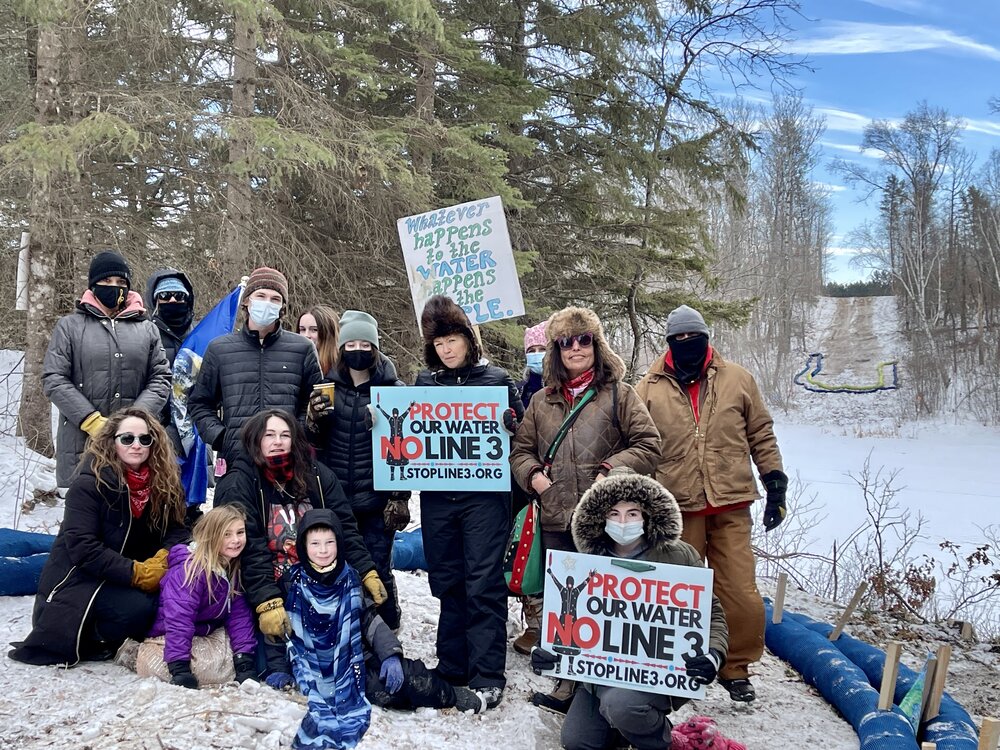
(187, 611)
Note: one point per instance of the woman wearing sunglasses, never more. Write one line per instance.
(124, 510)
(587, 423)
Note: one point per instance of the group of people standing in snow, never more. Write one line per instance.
(294, 558)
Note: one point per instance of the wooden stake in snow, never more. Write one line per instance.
(928, 746)
(855, 601)
(966, 633)
(925, 695)
(937, 688)
(989, 734)
(779, 598)
(886, 696)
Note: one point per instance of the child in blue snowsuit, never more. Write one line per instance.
(343, 656)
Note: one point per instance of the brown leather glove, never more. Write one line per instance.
(146, 574)
(397, 513)
(375, 588)
(273, 619)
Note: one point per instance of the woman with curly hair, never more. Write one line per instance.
(102, 579)
(320, 325)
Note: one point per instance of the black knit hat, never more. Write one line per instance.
(106, 264)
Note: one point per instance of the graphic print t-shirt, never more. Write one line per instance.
(282, 531)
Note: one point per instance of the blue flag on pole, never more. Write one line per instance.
(220, 320)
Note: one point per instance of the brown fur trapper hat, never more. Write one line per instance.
(572, 321)
(662, 516)
(443, 317)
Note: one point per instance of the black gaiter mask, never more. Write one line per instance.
(689, 357)
(174, 314)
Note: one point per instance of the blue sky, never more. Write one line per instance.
(876, 59)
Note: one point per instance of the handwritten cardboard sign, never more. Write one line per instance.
(463, 252)
(626, 623)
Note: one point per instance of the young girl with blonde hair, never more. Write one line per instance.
(202, 591)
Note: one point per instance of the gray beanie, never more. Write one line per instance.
(685, 320)
(358, 326)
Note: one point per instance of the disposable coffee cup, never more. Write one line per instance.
(327, 389)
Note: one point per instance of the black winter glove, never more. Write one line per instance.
(180, 674)
(245, 666)
(369, 416)
(542, 660)
(702, 670)
(397, 512)
(219, 441)
(776, 484)
(510, 423)
(320, 405)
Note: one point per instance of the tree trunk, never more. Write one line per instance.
(235, 243)
(424, 104)
(45, 267)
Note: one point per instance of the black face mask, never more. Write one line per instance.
(689, 357)
(112, 297)
(359, 359)
(174, 314)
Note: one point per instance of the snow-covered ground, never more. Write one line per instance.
(945, 473)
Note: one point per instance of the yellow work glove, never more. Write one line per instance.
(93, 424)
(146, 574)
(273, 619)
(375, 588)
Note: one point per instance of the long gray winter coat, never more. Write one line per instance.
(97, 363)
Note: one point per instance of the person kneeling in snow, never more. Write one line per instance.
(344, 657)
(632, 516)
(201, 592)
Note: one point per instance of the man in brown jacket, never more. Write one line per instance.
(712, 422)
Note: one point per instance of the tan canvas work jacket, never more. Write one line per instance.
(708, 462)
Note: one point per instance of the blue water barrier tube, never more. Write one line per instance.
(807, 378)
(408, 550)
(841, 682)
(22, 557)
(951, 729)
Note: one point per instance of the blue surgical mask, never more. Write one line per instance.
(264, 313)
(535, 360)
(624, 533)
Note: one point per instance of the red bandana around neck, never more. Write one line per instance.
(573, 388)
(138, 488)
(279, 468)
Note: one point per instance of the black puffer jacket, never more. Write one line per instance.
(345, 444)
(480, 374)
(97, 542)
(244, 486)
(244, 376)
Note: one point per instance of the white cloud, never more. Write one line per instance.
(983, 126)
(842, 120)
(904, 6)
(830, 187)
(853, 148)
(842, 250)
(857, 38)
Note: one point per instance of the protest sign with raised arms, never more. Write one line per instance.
(440, 438)
(626, 623)
(463, 252)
